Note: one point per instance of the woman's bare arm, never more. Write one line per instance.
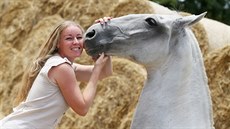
(79, 101)
(83, 72)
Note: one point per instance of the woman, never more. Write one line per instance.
(52, 83)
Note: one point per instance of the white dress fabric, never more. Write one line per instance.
(44, 106)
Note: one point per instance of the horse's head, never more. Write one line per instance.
(144, 38)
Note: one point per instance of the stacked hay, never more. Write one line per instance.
(218, 71)
(125, 7)
(11, 66)
(216, 40)
(25, 25)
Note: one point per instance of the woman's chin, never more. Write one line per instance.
(77, 54)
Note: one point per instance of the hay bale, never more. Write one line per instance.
(85, 11)
(33, 40)
(1, 115)
(159, 9)
(125, 7)
(17, 19)
(217, 65)
(11, 66)
(217, 33)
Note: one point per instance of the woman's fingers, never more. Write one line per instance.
(95, 58)
(103, 20)
(101, 58)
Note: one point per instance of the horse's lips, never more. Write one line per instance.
(95, 51)
(90, 52)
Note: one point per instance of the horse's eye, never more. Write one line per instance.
(151, 21)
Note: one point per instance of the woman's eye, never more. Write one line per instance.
(79, 38)
(69, 38)
(73, 38)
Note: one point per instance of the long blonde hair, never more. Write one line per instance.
(48, 49)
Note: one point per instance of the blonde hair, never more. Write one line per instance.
(48, 49)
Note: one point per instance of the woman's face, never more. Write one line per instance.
(71, 43)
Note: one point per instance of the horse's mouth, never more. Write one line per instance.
(95, 51)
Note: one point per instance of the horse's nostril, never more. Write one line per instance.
(90, 34)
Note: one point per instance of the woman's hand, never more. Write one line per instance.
(101, 61)
(103, 20)
(105, 64)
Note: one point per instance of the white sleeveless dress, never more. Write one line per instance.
(44, 105)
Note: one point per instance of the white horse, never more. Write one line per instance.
(176, 94)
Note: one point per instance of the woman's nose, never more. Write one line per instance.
(75, 41)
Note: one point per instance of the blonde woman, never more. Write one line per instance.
(51, 84)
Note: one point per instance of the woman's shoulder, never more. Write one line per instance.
(57, 60)
(54, 61)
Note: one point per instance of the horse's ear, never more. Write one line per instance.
(190, 20)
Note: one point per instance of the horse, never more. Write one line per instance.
(176, 93)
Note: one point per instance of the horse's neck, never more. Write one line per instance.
(178, 91)
(185, 64)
